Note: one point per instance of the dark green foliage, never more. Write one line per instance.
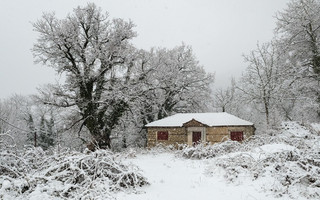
(32, 135)
(43, 134)
(46, 133)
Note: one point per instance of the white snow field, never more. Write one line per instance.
(177, 178)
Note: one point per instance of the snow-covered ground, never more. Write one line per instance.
(172, 177)
(279, 164)
(282, 164)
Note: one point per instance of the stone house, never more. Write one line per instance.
(192, 128)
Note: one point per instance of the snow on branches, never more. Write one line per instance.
(283, 162)
(68, 174)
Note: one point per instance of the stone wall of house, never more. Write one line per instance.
(219, 134)
(183, 135)
(176, 136)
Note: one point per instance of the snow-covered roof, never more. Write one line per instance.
(210, 119)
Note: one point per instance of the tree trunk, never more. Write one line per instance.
(100, 125)
(99, 133)
(35, 139)
(266, 106)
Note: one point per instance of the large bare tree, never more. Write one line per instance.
(93, 52)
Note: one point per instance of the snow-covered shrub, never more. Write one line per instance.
(6, 141)
(288, 160)
(68, 174)
(205, 151)
(160, 148)
(289, 170)
(11, 164)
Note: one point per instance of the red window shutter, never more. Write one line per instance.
(162, 135)
(236, 135)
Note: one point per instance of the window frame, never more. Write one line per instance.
(232, 137)
(162, 135)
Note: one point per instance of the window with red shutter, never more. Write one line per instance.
(162, 135)
(236, 136)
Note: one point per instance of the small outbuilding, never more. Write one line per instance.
(193, 128)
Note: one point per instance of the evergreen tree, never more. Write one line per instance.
(32, 135)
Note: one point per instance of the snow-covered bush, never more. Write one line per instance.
(204, 151)
(68, 174)
(288, 158)
(6, 141)
(159, 148)
(288, 169)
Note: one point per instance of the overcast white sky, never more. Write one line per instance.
(219, 31)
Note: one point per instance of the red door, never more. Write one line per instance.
(236, 136)
(196, 137)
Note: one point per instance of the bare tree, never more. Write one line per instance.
(298, 32)
(223, 98)
(93, 53)
(182, 85)
(298, 28)
(262, 80)
(165, 81)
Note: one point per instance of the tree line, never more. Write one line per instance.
(112, 89)
(281, 81)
